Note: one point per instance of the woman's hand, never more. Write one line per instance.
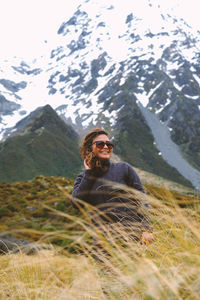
(85, 165)
(147, 238)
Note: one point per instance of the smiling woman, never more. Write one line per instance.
(101, 148)
(97, 186)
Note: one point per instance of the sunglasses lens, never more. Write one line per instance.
(101, 144)
(109, 145)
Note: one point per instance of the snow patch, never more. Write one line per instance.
(192, 97)
(197, 78)
(178, 87)
(163, 106)
(143, 98)
(154, 89)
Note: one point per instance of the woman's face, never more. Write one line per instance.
(101, 150)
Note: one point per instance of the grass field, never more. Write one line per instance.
(169, 268)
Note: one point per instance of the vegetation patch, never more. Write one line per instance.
(115, 268)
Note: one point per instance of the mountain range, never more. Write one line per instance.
(137, 80)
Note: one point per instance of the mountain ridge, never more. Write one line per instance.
(42, 145)
(37, 141)
(89, 83)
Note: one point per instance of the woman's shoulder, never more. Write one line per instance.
(121, 165)
(124, 166)
(82, 174)
(85, 173)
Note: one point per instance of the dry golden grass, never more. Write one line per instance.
(169, 268)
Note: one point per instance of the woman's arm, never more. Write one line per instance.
(134, 181)
(82, 186)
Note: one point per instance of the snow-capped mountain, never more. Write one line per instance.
(110, 62)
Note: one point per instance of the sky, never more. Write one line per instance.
(28, 28)
(25, 25)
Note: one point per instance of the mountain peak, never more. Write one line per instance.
(44, 117)
(42, 144)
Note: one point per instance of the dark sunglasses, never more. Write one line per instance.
(101, 144)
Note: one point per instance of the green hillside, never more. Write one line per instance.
(43, 145)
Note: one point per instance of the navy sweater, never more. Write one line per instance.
(100, 190)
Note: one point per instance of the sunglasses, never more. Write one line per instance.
(101, 144)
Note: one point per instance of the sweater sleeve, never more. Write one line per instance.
(82, 186)
(133, 180)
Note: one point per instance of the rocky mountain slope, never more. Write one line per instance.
(107, 64)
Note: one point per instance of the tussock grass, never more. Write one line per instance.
(114, 266)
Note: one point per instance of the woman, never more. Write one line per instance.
(97, 184)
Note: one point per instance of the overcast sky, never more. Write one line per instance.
(26, 24)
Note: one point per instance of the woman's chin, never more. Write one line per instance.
(104, 157)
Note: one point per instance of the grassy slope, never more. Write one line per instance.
(46, 147)
(22, 204)
(27, 156)
(167, 269)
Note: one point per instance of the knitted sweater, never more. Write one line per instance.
(100, 190)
